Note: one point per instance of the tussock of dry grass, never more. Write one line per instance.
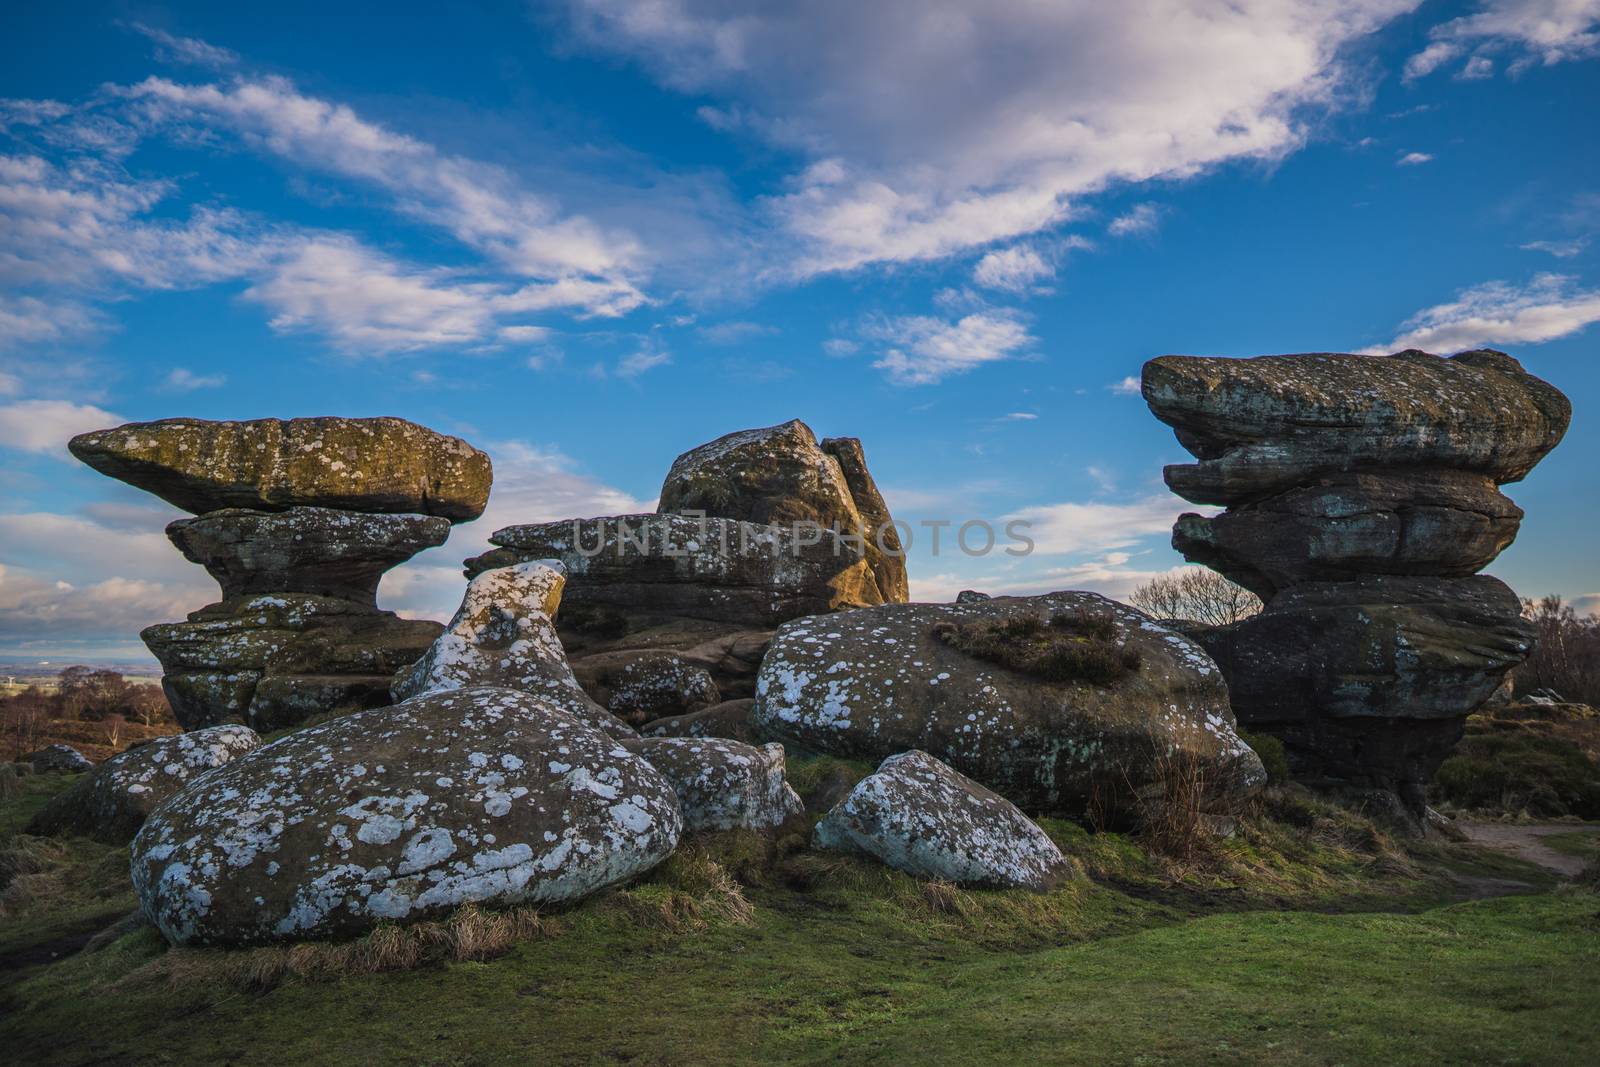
(1076, 647)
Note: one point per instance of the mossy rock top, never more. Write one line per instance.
(374, 465)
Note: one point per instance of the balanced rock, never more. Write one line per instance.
(780, 476)
(876, 682)
(370, 465)
(326, 551)
(465, 796)
(501, 636)
(722, 784)
(721, 570)
(60, 759)
(919, 816)
(114, 801)
(275, 660)
(732, 719)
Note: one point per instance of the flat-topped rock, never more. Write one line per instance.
(325, 551)
(722, 784)
(1260, 426)
(717, 569)
(372, 465)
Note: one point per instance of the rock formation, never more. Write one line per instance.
(465, 796)
(919, 816)
(1362, 498)
(730, 554)
(722, 784)
(297, 521)
(873, 683)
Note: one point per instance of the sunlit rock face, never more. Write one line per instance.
(297, 520)
(1362, 497)
(466, 796)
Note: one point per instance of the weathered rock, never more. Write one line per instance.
(1371, 679)
(324, 551)
(402, 813)
(502, 636)
(59, 759)
(717, 569)
(872, 683)
(113, 802)
(1265, 425)
(650, 685)
(277, 660)
(379, 465)
(734, 719)
(971, 596)
(722, 784)
(730, 652)
(885, 552)
(1341, 526)
(919, 816)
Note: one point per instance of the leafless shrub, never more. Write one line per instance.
(1197, 594)
(1566, 657)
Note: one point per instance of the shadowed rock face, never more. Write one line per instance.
(371, 465)
(1363, 496)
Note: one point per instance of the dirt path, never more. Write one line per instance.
(1524, 840)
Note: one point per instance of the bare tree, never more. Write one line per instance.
(1566, 653)
(1198, 595)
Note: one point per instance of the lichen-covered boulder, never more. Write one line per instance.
(466, 796)
(734, 719)
(379, 465)
(651, 685)
(325, 551)
(920, 816)
(722, 784)
(276, 660)
(1261, 426)
(113, 802)
(60, 759)
(869, 684)
(718, 569)
(502, 636)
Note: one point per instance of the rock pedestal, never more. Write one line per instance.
(1362, 497)
(297, 520)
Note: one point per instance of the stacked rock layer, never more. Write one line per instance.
(297, 520)
(1362, 497)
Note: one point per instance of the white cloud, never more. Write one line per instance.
(1128, 386)
(1497, 313)
(183, 380)
(1016, 269)
(1109, 575)
(1477, 69)
(648, 357)
(28, 320)
(1559, 249)
(1413, 159)
(1530, 31)
(923, 349)
(935, 126)
(1140, 221)
(732, 333)
(44, 426)
(170, 48)
(1019, 416)
(1058, 529)
(839, 347)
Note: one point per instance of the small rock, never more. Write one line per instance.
(722, 784)
(653, 685)
(60, 759)
(731, 719)
(919, 816)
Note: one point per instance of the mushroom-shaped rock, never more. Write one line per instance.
(722, 784)
(1117, 704)
(920, 816)
(325, 551)
(60, 759)
(467, 796)
(114, 801)
(378, 465)
(502, 636)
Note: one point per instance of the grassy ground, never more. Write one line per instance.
(1312, 938)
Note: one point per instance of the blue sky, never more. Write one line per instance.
(587, 236)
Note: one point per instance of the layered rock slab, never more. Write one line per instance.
(873, 683)
(918, 815)
(467, 796)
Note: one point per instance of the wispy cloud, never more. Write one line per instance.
(1413, 159)
(183, 380)
(1141, 220)
(732, 333)
(1528, 31)
(1559, 249)
(1016, 269)
(171, 48)
(1498, 313)
(1128, 386)
(924, 349)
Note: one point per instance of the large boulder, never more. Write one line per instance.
(721, 570)
(869, 684)
(919, 816)
(382, 465)
(325, 551)
(502, 636)
(1261, 426)
(780, 476)
(275, 660)
(723, 784)
(466, 796)
(114, 801)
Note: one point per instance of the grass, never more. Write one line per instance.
(1075, 647)
(1310, 937)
